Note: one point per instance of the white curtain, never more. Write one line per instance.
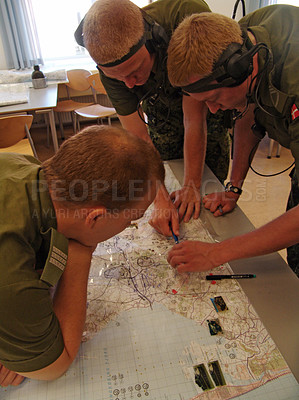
(18, 34)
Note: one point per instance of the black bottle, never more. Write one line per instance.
(37, 74)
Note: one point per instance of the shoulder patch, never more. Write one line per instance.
(294, 112)
(57, 257)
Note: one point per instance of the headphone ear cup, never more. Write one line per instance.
(239, 66)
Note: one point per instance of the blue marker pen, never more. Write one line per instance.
(176, 239)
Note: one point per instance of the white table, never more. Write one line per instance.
(43, 100)
(275, 292)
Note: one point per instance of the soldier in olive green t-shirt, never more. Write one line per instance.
(252, 67)
(49, 229)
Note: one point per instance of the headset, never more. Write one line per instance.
(156, 41)
(154, 38)
(234, 66)
(79, 34)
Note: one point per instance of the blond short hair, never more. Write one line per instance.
(111, 28)
(197, 44)
(103, 165)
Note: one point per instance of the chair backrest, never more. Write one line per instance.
(96, 83)
(97, 87)
(77, 79)
(13, 129)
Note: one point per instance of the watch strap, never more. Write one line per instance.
(229, 187)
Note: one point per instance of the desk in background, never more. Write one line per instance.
(39, 99)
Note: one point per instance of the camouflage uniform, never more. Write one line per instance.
(218, 145)
(169, 140)
(166, 129)
(162, 103)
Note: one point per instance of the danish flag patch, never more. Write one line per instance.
(294, 112)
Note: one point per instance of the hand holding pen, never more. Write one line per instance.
(176, 239)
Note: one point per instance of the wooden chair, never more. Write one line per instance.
(96, 111)
(77, 80)
(15, 135)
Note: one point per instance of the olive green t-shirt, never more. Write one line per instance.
(30, 335)
(278, 95)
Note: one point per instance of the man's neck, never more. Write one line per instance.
(69, 220)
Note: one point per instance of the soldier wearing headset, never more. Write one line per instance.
(129, 45)
(250, 67)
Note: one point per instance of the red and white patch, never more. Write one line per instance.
(294, 112)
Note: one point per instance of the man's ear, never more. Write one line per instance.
(93, 214)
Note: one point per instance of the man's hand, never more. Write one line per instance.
(192, 256)
(187, 201)
(164, 214)
(221, 202)
(8, 377)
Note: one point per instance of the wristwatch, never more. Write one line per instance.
(229, 187)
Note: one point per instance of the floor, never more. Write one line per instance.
(263, 198)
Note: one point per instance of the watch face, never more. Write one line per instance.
(232, 188)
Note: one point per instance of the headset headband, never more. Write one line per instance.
(232, 68)
(131, 52)
(152, 31)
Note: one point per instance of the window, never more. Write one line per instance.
(56, 25)
(290, 2)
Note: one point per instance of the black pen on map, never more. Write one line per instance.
(237, 276)
(176, 239)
